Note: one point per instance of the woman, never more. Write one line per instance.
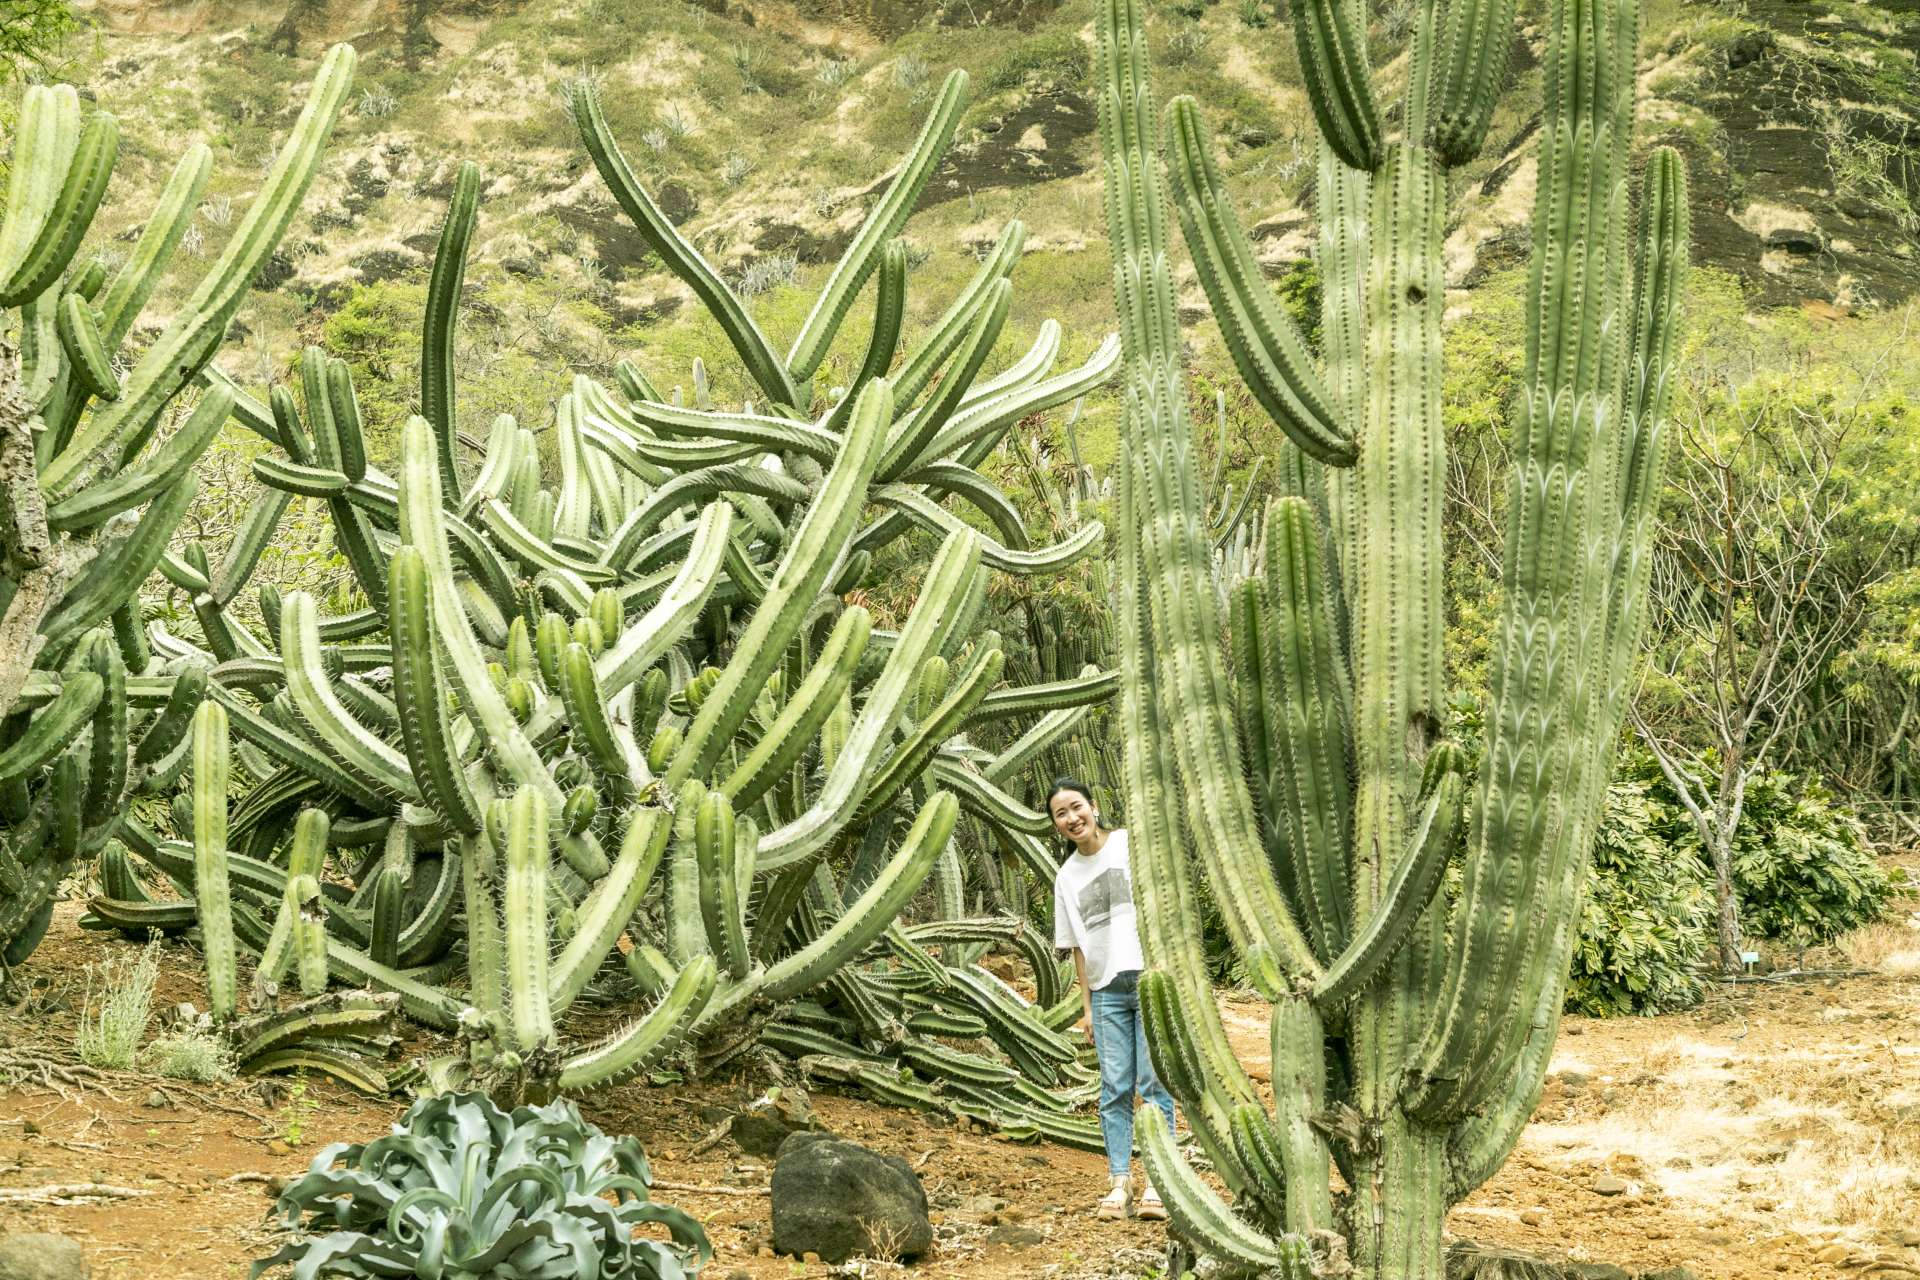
(1093, 915)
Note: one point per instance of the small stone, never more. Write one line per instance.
(811, 1258)
(1906, 1236)
(158, 1101)
(1609, 1184)
(1533, 1217)
(279, 1148)
(1832, 1253)
(1573, 1079)
(41, 1256)
(764, 1251)
(769, 1119)
(739, 1273)
(1669, 1273)
(1015, 1237)
(1596, 1271)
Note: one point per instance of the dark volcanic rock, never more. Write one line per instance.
(839, 1200)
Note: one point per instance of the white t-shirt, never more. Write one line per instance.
(1093, 910)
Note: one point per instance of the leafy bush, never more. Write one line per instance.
(1648, 916)
(461, 1188)
(1802, 866)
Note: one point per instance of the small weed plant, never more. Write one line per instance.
(115, 1019)
(191, 1055)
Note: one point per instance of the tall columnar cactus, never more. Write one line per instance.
(1308, 768)
(621, 724)
(88, 501)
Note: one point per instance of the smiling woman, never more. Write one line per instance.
(1094, 917)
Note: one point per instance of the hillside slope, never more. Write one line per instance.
(764, 126)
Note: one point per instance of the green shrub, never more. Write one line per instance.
(191, 1055)
(1648, 916)
(1801, 865)
(1056, 55)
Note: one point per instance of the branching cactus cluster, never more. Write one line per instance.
(614, 731)
(93, 482)
(1305, 767)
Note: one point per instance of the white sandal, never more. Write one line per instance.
(1115, 1205)
(1150, 1208)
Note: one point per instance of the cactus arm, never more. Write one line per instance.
(793, 730)
(168, 728)
(980, 797)
(107, 756)
(524, 922)
(1262, 339)
(421, 697)
(986, 419)
(295, 751)
(981, 493)
(1210, 1096)
(930, 515)
(80, 191)
(606, 910)
(1549, 732)
(717, 850)
(249, 541)
(694, 430)
(573, 512)
(680, 257)
(647, 639)
(643, 1043)
(691, 486)
(54, 728)
(1090, 688)
(1202, 1216)
(357, 749)
(587, 716)
(46, 133)
(173, 212)
(889, 313)
(1332, 40)
(170, 363)
(211, 892)
(950, 329)
(920, 427)
(1300, 1099)
(112, 576)
(1042, 736)
(882, 224)
(1301, 703)
(928, 627)
(868, 916)
(87, 358)
(803, 571)
(534, 551)
(437, 328)
(424, 525)
(1475, 45)
(1415, 880)
(910, 760)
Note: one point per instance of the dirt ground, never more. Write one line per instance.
(1774, 1131)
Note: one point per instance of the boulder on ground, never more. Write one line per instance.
(839, 1200)
(41, 1256)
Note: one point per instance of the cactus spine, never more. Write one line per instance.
(1409, 1046)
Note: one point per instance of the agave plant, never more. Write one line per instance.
(462, 1188)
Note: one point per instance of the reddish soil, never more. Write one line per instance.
(1774, 1131)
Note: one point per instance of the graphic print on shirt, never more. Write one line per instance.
(1101, 896)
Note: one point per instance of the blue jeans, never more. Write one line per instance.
(1120, 1042)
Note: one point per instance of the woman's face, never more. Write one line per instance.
(1072, 815)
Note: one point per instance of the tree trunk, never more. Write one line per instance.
(1723, 894)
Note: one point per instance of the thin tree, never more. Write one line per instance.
(1760, 578)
